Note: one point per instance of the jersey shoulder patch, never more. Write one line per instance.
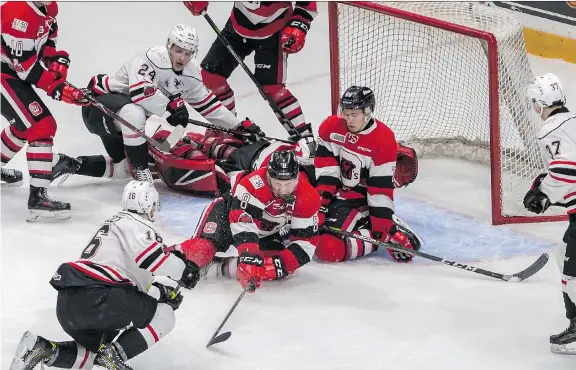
(158, 56)
(257, 182)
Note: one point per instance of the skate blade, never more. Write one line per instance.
(48, 216)
(61, 180)
(562, 349)
(12, 184)
(26, 344)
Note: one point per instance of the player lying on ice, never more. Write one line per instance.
(163, 79)
(125, 282)
(270, 217)
(356, 174)
(557, 142)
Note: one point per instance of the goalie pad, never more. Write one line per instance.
(406, 166)
(195, 176)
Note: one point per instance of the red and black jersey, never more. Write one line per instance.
(356, 166)
(29, 34)
(256, 213)
(262, 19)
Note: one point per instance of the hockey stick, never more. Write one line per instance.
(216, 338)
(522, 275)
(288, 126)
(237, 133)
(163, 146)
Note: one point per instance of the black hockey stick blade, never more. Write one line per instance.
(219, 338)
(224, 336)
(530, 270)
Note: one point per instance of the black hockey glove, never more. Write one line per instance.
(535, 200)
(178, 112)
(190, 275)
(169, 295)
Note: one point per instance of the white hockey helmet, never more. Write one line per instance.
(546, 91)
(140, 197)
(184, 37)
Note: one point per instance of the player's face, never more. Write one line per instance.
(536, 107)
(179, 57)
(355, 119)
(282, 188)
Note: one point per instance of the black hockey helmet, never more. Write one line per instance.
(358, 97)
(283, 165)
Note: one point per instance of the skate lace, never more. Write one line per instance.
(8, 171)
(144, 176)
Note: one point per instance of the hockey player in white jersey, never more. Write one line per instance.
(126, 280)
(162, 79)
(557, 142)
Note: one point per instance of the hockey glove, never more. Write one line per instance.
(60, 90)
(59, 63)
(169, 295)
(406, 166)
(253, 268)
(191, 273)
(294, 35)
(535, 200)
(252, 128)
(178, 111)
(196, 7)
(396, 236)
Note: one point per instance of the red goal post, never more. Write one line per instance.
(468, 58)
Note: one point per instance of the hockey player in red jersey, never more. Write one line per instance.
(118, 299)
(355, 176)
(273, 30)
(266, 209)
(30, 59)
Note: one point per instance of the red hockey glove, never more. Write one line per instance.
(294, 35)
(406, 166)
(59, 63)
(252, 267)
(60, 90)
(196, 7)
(178, 112)
(398, 237)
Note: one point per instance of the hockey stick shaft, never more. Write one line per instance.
(535, 267)
(214, 339)
(234, 132)
(164, 146)
(285, 120)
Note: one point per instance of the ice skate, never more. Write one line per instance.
(11, 177)
(31, 351)
(65, 167)
(560, 343)
(42, 208)
(109, 358)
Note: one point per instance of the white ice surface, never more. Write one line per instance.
(366, 314)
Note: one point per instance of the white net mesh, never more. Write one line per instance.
(432, 85)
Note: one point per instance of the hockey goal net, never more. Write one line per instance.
(449, 79)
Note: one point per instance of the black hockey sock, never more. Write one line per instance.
(131, 343)
(570, 307)
(66, 355)
(138, 155)
(114, 147)
(92, 165)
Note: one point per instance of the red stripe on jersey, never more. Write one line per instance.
(202, 102)
(569, 195)
(553, 163)
(146, 251)
(561, 179)
(160, 263)
(114, 272)
(141, 98)
(138, 84)
(153, 332)
(90, 273)
(219, 105)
